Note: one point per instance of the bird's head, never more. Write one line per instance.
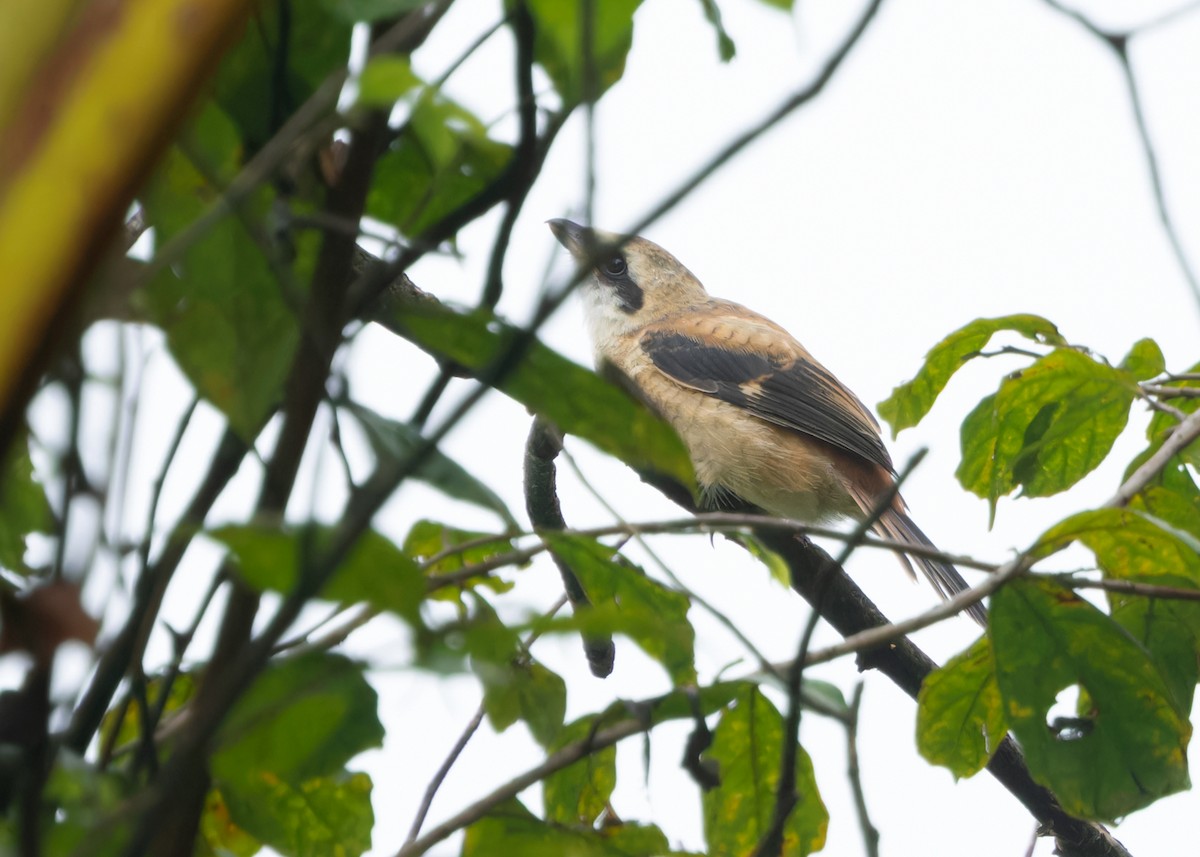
(630, 281)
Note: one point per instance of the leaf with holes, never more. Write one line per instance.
(1129, 747)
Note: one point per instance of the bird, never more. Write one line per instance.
(762, 420)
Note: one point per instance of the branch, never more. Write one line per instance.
(1182, 436)
(1119, 44)
(869, 831)
(541, 503)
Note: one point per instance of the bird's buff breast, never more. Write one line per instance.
(782, 472)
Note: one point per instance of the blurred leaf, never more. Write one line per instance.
(523, 691)
(385, 80)
(649, 613)
(89, 95)
(304, 718)
(1161, 423)
(315, 818)
(575, 399)
(394, 441)
(280, 754)
(23, 506)
(558, 44)
(219, 836)
(130, 726)
(442, 158)
(824, 697)
(375, 572)
(226, 322)
(748, 745)
(277, 64)
(1047, 427)
(1145, 360)
(911, 401)
(726, 49)
(427, 539)
(1130, 747)
(960, 716)
(510, 829)
(578, 793)
(86, 801)
(352, 11)
(515, 687)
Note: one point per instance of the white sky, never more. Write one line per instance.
(968, 160)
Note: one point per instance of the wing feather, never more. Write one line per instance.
(750, 362)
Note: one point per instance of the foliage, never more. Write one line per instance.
(254, 282)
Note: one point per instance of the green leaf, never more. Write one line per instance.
(1129, 545)
(511, 829)
(575, 399)
(376, 572)
(578, 793)
(219, 836)
(316, 818)
(303, 719)
(785, 5)
(23, 505)
(960, 717)
(130, 726)
(276, 65)
(558, 44)
(392, 440)
(352, 11)
(912, 400)
(86, 802)
(524, 691)
(726, 49)
(1129, 748)
(1048, 426)
(1162, 423)
(515, 687)
(227, 325)
(280, 756)
(442, 158)
(647, 612)
(1145, 360)
(385, 80)
(748, 746)
(1170, 630)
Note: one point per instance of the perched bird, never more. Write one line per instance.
(760, 417)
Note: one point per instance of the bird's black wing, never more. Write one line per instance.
(791, 390)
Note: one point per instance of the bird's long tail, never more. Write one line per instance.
(895, 524)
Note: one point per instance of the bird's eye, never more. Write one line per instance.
(615, 267)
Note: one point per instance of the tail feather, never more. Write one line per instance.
(945, 578)
(895, 524)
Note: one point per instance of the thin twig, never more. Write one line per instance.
(1119, 44)
(1132, 587)
(461, 744)
(870, 833)
(1183, 435)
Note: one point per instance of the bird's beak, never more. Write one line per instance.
(578, 239)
